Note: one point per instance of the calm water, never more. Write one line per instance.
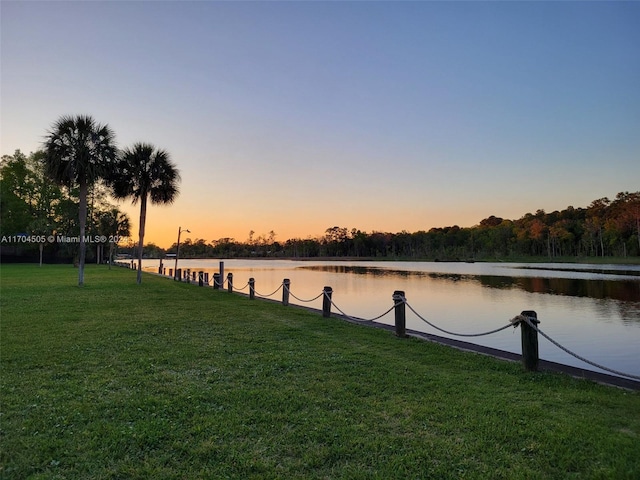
(593, 310)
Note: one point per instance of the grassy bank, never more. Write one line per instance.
(171, 381)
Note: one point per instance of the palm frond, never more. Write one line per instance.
(78, 149)
(144, 171)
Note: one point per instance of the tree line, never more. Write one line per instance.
(605, 228)
(31, 204)
(61, 191)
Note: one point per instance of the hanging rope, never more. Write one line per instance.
(356, 319)
(522, 318)
(239, 289)
(271, 294)
(305, 301)
(453, 333)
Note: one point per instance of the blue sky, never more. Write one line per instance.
(298, 116)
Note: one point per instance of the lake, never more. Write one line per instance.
(592, 310)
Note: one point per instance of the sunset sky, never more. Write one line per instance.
(298, 116)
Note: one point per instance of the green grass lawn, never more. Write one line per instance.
(166, 380)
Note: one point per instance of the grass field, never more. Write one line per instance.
(166, 380)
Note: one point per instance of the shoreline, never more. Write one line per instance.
(631, 261)
(544, 365)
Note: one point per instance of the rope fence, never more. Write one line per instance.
(271, 294)
(307, 301)
(510, 324)
(565, 349)
(360, 320)
(527, 320)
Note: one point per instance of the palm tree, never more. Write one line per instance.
(79, 151)
(143, 172)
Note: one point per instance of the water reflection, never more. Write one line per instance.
(623, 290)
(587, 269)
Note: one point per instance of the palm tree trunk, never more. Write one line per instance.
(82, 218)
(143, 219)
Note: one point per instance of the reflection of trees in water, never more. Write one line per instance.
(376, 271)
(629, 312)
(602, 270)
(625, 293)
(624, 290)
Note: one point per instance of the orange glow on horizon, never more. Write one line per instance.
(163, 222)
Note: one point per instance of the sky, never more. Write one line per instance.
(298, 116)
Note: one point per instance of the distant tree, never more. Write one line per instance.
(491, 221)
(596, 218)
(624, 219)
(113, 224)
(154, 251)
(40, 227)
(16, 182)
(78, 151)
(334, 241)
(145, 173)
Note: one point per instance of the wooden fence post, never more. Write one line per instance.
(400, 313)
(230, 282)
(326, 302)
(286, 285)
(216, 281)
(200, 278)
(529, 337)
(205, 279)
(179, 274)
(160, 268)
(252, 288)
(171, 272)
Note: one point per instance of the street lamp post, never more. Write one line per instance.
(175, 269)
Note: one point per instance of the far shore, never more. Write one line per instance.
(558, 260)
